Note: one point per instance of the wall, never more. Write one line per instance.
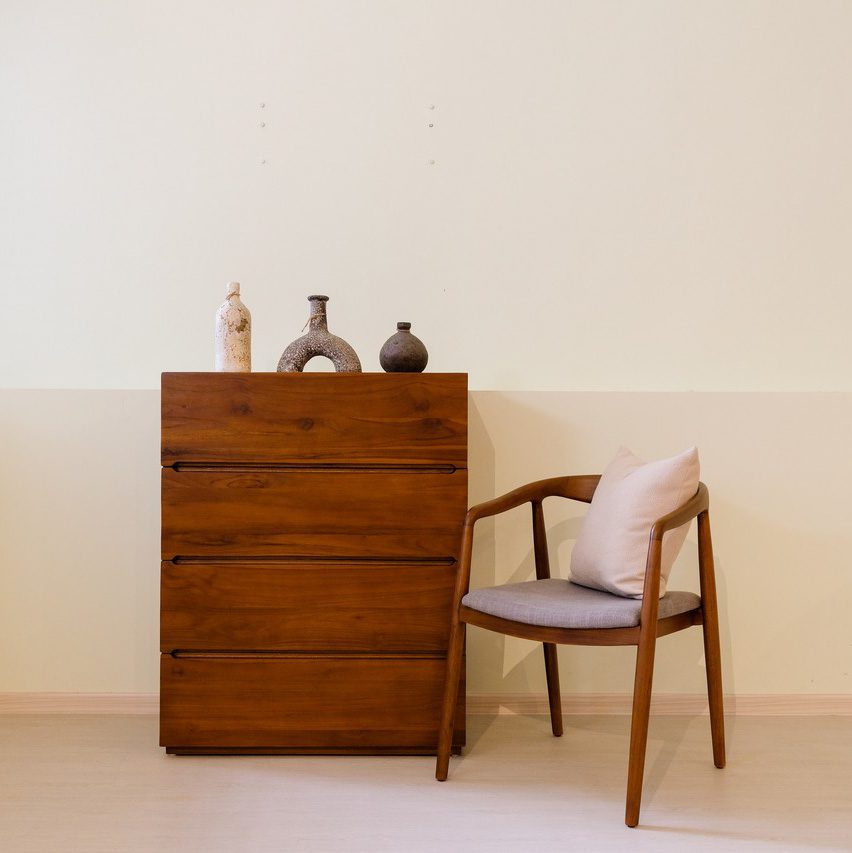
(648, 200)
(650, 196)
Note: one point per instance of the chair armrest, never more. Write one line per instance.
(697, 504)
(578, 488)
(686, 512)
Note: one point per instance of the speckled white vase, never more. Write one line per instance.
(233, 333)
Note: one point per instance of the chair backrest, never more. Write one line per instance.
(580, 487)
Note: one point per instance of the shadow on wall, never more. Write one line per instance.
(496, 663)
(481, 487)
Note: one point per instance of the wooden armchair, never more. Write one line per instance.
(556, 612)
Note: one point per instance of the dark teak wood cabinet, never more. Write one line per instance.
(310, 531)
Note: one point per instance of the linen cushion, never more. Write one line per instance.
(612, 548)
(557, 603)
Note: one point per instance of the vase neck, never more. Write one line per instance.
(318, 319)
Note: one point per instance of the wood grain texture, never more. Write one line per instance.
(310, 525)
(319, 514)
(712, 651)
(349, 606)
(364, 418)
(302, 702)
(578, 487)
(643, 682)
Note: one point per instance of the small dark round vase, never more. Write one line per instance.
(403, 352)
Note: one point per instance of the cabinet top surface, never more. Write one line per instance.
(391, 377)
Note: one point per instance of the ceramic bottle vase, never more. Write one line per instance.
(319, 341)
(233, 333)
(403, 352)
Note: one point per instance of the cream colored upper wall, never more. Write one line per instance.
(650, 195)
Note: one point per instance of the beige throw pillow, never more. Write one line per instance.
(612, 548)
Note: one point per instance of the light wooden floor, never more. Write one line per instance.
(90, 783)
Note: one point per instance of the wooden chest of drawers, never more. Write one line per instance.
(310, 530)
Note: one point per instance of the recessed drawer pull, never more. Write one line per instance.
(224, 654)
(309, 468)
(308, 561)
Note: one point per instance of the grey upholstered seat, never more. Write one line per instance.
(556, 603)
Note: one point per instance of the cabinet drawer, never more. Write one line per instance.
(305, 606)
(302, 703)
(374, 418)
(321, 513)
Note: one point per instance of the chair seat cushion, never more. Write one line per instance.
(556, 603)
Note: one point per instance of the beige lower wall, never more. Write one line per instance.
(79, 517)
(79, 531)
(778, 474)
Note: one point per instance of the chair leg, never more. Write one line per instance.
(551, 669)
(639, 722)
(713, 660)
(451, 693)
(712, 651)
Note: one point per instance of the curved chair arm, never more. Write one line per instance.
(696, 505)
(686, 512)
(578, 488)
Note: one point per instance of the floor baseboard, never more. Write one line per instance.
(79, 703)
(668, 704)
